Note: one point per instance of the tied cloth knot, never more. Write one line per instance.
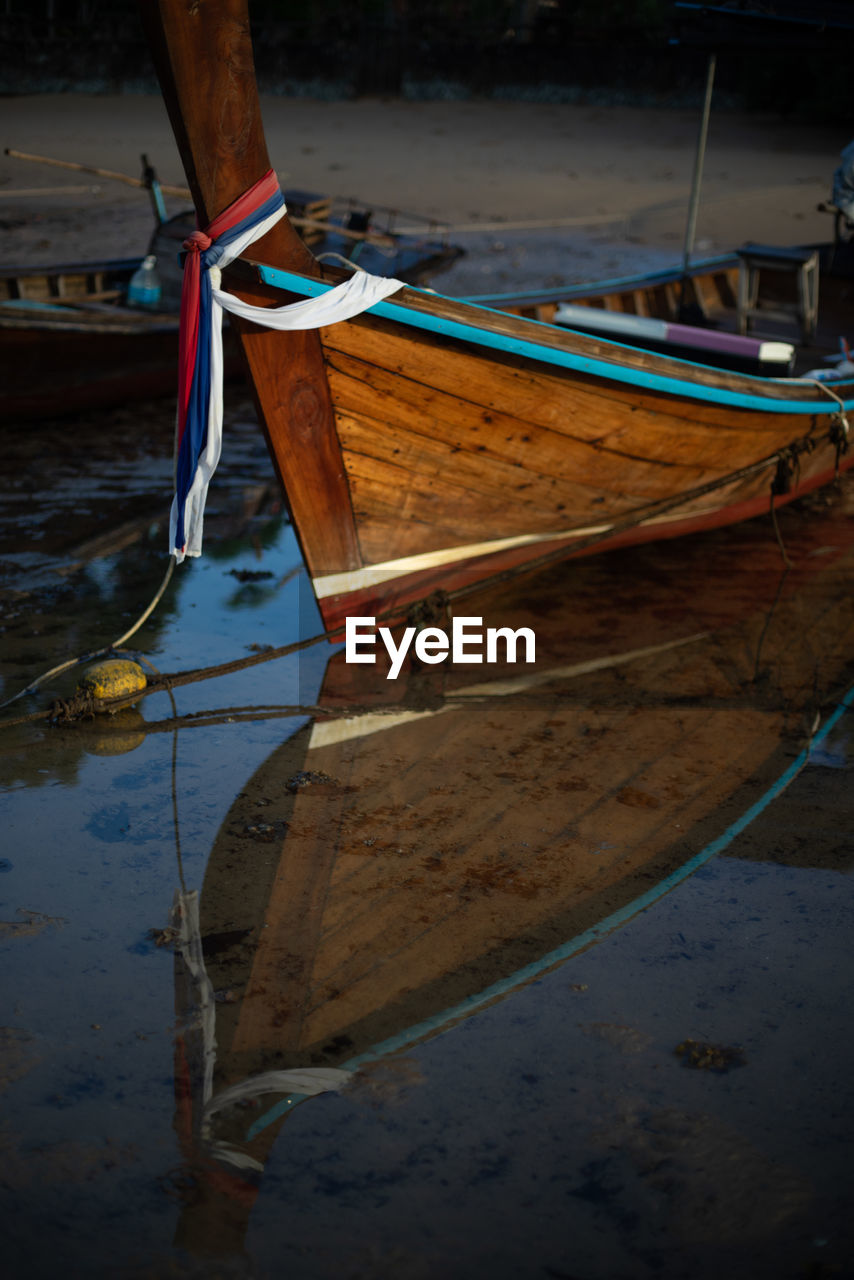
(199, 431)
(197, 242)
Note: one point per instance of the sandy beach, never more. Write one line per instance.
(538, 194)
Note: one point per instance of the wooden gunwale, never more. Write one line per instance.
(91, 322)
(552, 344)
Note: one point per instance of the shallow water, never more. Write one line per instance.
(466, 930)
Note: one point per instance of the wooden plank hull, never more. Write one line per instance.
(449, 486)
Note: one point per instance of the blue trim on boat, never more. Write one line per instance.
(641, 378)
(619, 284)
(446, 1019)
(35, 304)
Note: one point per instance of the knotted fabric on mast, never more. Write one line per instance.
(200, 363)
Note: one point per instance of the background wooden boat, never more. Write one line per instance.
(434, 443)
(336, 230)
(69, 342)
(705, 297)
(409, 856)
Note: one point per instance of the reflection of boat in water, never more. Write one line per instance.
(411, 855)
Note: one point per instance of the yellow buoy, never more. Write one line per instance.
(113, 678)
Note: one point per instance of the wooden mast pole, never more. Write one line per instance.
(697, 176)
(202, 52)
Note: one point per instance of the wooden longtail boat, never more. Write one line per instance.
(708, 291)
(423, 847)
(433, 443)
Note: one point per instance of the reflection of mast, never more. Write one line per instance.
(219, 1200)
(216, 1101)
(224, 1172)
(196, 1039)
(200, 1030)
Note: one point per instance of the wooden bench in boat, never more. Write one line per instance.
(802, 264)
(688, 342)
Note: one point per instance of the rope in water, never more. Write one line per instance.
(83, 704)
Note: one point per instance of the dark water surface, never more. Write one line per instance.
(396, 990)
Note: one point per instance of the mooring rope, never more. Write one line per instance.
(84, 705)
(97, 653)
(840, 430)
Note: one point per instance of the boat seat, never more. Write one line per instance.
(801, 264)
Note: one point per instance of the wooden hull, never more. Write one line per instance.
(67, 344)
(461, 463)
(48, 373)
(433, 442)
(709, 292)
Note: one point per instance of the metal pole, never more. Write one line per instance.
(698, 168)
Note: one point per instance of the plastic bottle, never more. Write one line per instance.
(144, 287)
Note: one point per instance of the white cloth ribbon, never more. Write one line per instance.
(342, 302)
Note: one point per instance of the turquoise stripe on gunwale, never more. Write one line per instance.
(641, 378)
(595, 289)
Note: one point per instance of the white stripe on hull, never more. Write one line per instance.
(337, 584)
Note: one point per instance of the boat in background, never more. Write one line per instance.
(693, 314)
(431, 443)
(337, 231)
(69, 342)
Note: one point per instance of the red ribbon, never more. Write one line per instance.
(195, 244)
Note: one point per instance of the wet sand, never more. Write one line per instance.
(608, 186)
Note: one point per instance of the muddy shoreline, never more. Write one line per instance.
(611, 181)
